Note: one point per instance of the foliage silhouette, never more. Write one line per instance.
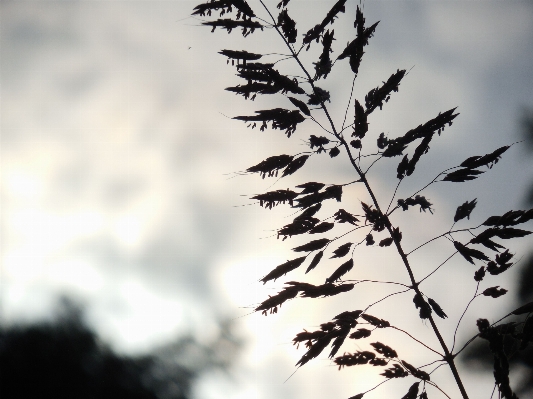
(371, 223)
(479, 354)
(64, 358)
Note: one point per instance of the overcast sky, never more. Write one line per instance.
(116, 148)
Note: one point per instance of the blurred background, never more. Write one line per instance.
(125, 235)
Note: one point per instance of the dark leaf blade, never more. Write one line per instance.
(501, 264)
(376, 97)
(288, 26)
(283, 119)
(324, 64)
(321, 228)
(307, 336)
(332, 13)
(355, 47)
(309, 212)
(337, 343)
(401, 170)
(315, 261)
(318, 97)
(315, 32)
(510, 218)
(397, 234)
(394, 149)
(420, 303)
(375, 321)
(334, 152)
(525, 217)
(310, 200)
(301, 105)
(312, 245)
(384, 350)
(327, 289)
(240, 55)
(252, 89)
(479, 274)
(243, 7)
(342, 250)
(247, 26)
(360, 126)
(437, 309)
(294, 165)
(277, 300)
(357, 358)
(494, 292)
(311, 187)
(527, 308)
(395, 372)
(508, 233)
(207, 8)
(492, 245)
(341, 271)
(485, 160)
(462, 175)
(348, 316)
(318, 141)
(298, 226)
(315, 350)
(413, 391)
(386, 242)
(469, 253)
(464, 210)
(333, 192)
(273, 198)
(283, 269)
(360, 333)
(505, 233)
(469, 162)
(341, 216)
(484, 236)
(271, 165)
(416, 372)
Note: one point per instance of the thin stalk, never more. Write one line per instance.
(463, 315)
(448, 357)
(420, 342)
(385, 297)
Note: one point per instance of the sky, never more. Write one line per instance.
(118, 161)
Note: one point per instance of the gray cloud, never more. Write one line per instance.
(114, 146)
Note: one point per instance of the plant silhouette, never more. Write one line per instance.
(479, 353)
(301, 100)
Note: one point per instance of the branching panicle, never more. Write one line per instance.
(307, 199)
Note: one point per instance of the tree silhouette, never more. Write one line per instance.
(64, 358)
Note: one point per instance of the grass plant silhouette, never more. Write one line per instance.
(371, 224)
